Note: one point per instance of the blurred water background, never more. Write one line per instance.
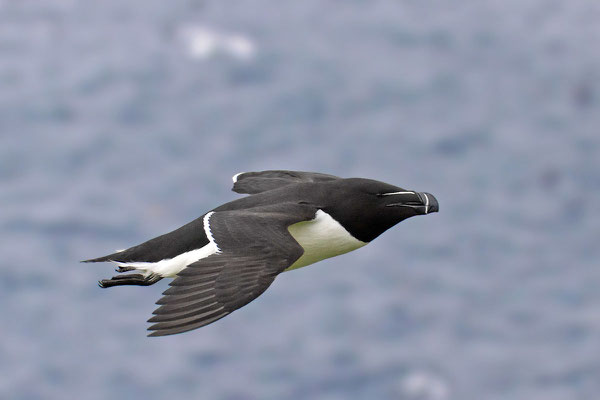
(122, 120)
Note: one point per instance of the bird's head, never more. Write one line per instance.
(371, 207)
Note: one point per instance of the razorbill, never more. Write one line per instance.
(229, 256)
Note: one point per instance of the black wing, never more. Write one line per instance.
(257, 182)
(255, 246)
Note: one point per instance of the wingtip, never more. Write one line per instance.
(155, 318)
(155, 331)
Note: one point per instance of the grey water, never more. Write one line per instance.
(122, 120)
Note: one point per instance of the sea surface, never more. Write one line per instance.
(122, 120)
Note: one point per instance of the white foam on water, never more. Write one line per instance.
(203, 43)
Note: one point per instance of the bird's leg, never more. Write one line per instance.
(130, 279)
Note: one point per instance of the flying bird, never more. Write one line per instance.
(229, 256)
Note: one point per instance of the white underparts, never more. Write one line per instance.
(321, 238)
(170, 267)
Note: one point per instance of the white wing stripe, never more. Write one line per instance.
(209, 235)
(235, 177)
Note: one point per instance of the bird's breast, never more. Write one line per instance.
(321, 238)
